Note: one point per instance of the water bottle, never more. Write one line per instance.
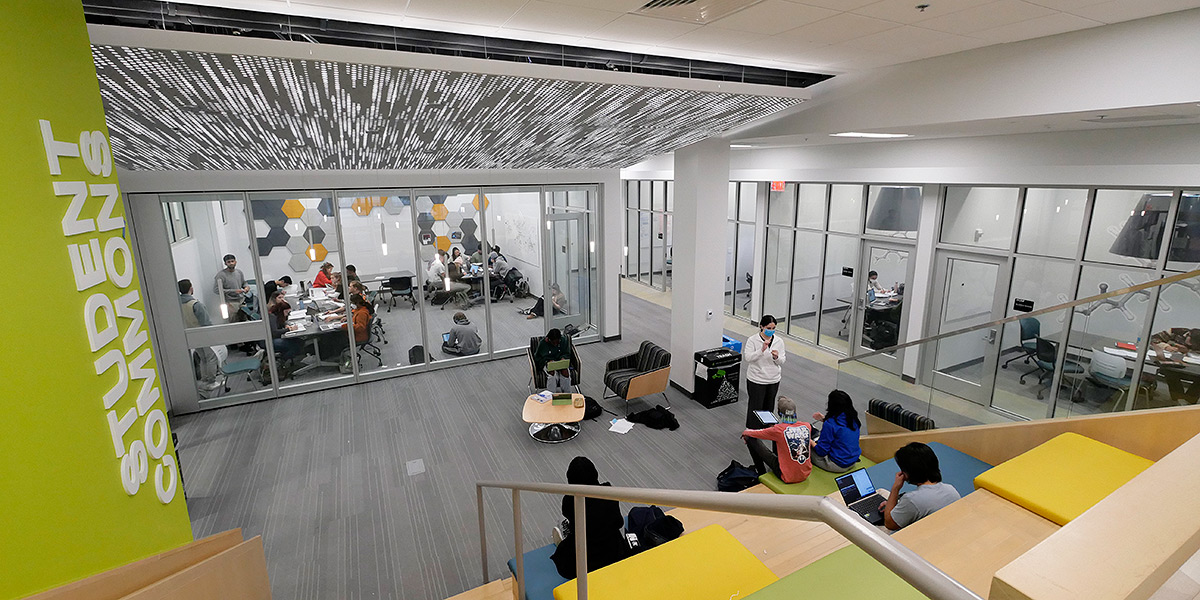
(870, 294)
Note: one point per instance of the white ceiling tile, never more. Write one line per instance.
(387, 7)
(904, 41)
(837, 4)
(905, 11)
(1127, 10)
(560, 18)
(773, 16)
(637, 29)
(492, 12)
(1066, 5)
(776, 48)
(1035, 28)
(614, 5)
(840, 28)
(451, 26)
(987, 16)
(712, 39)
(539, 36)
(951, 45)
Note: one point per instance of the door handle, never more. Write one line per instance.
(990, 336)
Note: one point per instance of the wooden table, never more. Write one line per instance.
(974, 537)
(552, 424)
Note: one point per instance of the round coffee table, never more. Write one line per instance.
(552, 424)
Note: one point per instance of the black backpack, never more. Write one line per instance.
(591, 408)
(640, 517)
(658, 417)
(661, 531)
(736, 477)
(416, 355)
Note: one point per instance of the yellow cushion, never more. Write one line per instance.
(1063, 477)
(705, 564)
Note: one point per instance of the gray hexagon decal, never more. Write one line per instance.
(454, 219)
(314, 217)
(297, 245)
(261, 228)
(424, 204)
(294, 227)
(441, 228)
(396, 205)
(277, 237)
(300, 263)
(315, 235)
(469, 227)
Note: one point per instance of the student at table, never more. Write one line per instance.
(335, 342)
(456, 256)
(464, 337)
(873, 282)
(919, 466)
(454, 273)
(437, 270)
(351, 274)
(554, 347)
(837, 444)
(277, 316)
(477, 256)
(792, 466)
(1184, 386)
(276, 284)
(324, 277)
(194, 313)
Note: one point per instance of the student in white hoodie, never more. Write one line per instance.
(764, 354)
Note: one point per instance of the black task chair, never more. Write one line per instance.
(1047, 353)
(1031, 329)
(749, 292)
(401, 287)
(538, 377)
(369, 346)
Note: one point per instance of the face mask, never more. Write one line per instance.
(769, 332)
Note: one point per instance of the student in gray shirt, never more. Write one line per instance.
(918, 466)
(230, 285)
(464, 337)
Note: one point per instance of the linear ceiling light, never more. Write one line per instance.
(882, 136)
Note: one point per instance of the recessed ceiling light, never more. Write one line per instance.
(740, 146)
(858, 134)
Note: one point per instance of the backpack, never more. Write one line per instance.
(655, 418)
(736, 477)
(640, 517)
(591, 408)
(416, 355)
(661, 531)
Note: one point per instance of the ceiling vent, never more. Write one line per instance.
(1139, 119)
(701, 12)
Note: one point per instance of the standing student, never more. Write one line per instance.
(194, 313)
(837, 447)
(918, 466)
(764, 355)
(790, 434)
(230, 285)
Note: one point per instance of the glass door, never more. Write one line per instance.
(567, 300)
(965, 286)
(886, 271)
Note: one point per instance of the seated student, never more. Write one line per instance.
(554, 347)
(477, 256)
(324, 276)
(357, 287)
(455, 274)
(606, 542)
(918, 466)
(464, 337)
(351, 274)
(335, 342)
(276, 284)
(557, 299)
(288, 348)
(837, 442)
(792, 466)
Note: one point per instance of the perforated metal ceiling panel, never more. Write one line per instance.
(172, 110)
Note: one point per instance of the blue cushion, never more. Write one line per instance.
(958, 469)
(541, 576)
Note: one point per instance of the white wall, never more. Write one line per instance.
(515, 224)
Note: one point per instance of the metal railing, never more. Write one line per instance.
(905, 563)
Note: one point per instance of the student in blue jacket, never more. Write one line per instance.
(837, 447)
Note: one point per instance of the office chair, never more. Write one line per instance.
(399, 286)
(1109, 371)
(1031, 329)
(1043, 361)
(369, 346)
(749, 292)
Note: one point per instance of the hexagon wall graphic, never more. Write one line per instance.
(443, 243)
(362, 206)
(468, 227)
(313, 217)
(440, 211)
(475, 202)
(297, 245)
(396, 205)
(454, 218)
(264, 246)
(270, 211)
(293, 209)
(470, 244)
(315, 235)
(300, 263)
(424, 204)
(424, 220)
(261, 228)
(277, 237)
(441, 228)
(316, 252)
(325, 207)
(294, 226)
(310, 203)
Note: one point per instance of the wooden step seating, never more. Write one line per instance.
(959, 469)
(819, 482)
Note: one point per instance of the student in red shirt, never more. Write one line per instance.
(324, 276)
(794, 438)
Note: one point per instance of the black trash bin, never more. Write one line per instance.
(717, 373)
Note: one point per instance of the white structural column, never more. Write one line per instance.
(698, 266)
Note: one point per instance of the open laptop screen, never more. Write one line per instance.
(855, 485)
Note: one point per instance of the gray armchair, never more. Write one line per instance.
(645, 372)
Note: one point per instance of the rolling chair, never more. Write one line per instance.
(1109, 371)
(369, 346)
(1031, 329)
(1043, 361)
(398, 286)
(537, 377)
(642, 373)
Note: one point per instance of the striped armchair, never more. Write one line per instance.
(642, 373)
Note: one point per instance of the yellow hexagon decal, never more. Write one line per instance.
(378, 200)
(475, 202)
(362, 206)
(439, 212)
(443, 243)
(316, 252)
(293, 209)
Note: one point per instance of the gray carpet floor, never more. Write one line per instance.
(368, 491)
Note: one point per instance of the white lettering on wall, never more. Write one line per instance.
(87, 263)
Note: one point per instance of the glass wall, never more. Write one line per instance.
(325, 287)
(739, 255)
(648, 232)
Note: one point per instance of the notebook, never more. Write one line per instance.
(558, 365)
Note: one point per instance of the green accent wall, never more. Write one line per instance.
(87, 482)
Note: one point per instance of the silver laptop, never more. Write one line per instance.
(860, 495)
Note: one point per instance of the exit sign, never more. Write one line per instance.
(777, 186)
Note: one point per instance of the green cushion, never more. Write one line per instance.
(819, 483)
(847, 573)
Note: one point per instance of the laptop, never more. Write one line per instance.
(860, 495)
